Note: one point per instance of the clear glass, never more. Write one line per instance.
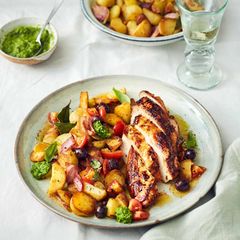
(200, 29)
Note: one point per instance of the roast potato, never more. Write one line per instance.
(84, 203)
(67, 158)
(112, 205)
(114, 143)
(130, 2)
(123, 111)
(118, 25)
(167, 26)
(58, 178)
(122, 199)
(112, 119)
(131, 26)
(75, 115)
(84, 100)
(99, 144)
(75, 210)
(64, 196)
(95, 192)
(144, 29)
(158, 6)
(50, 135)
(114, 175)
(38, 152)
(186, 166)
(115, 12)
(106, 3)
(153, 18)
(131, 12)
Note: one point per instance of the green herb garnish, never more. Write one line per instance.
(191, 141)
(123, 215)
(40, 169)
(96, 165)
(121, 96)
(50, 152)
(102, 131)
(65, 127)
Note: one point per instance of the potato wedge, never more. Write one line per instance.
(112, 119)
(62, 138)
(95, 192)
(38, 152)
(118, 25)
(75, 115)
(106, 3)
(123, 111)
(112, 205)
(67, 158)
(131, 12)
(64, 196)
(186, 166)
(143, 29)
(153, 18)
(76, 211)
(158, 6)
(114, 175)
(122, 199)
(58, 178)
(84, 203)
(84, 100)
(167, 26)
(115, 12)
(131, 26)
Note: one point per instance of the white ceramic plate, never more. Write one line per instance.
(210, 153)
(148, 42)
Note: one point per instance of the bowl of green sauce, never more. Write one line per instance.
(18, 41)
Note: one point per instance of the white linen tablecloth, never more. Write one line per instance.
(84, 52)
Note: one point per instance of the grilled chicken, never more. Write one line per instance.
(142, 184)
(150, 147)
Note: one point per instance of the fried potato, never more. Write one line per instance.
(58, 178)
(99, 144)
(50, 135)
(67, 158)
(143, 29)
(112, 119)
(84, 100)
(106, 3)
(119, 3)
(153, 18)
(112, 205)
(122, 199)
(130, 2)
(123, 111)
(167, 26)
(115, 12)
(131, 26)
(84, 203)
(64, 196)
(95, 192)
(115, 187)
(75, 210)
(118, 25)
(114, 175)
(131, 12)
(75, 115)
(99, 184)
(158, 6)
(186, 166)
(114, 143)
(38, 152)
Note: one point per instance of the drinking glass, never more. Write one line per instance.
(200, 22)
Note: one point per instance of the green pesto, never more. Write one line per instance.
(21, 41)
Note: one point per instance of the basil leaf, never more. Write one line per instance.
(50, 152)
(95, 164)
(121, 96)
(96, 175)
(64, 127)
(63, 116)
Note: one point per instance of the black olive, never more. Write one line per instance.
(81, 153)
(113, 164)
(106, 106)
(182, 185)
(190, 154)
(101, 211)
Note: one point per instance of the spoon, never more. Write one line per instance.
(52, 13)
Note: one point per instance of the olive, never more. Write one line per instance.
(106, 106)
(190, 154)
(113, 164)
(101, 211)
(81, 153)
(182, 185)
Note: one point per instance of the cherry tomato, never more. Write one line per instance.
(102, 112)
(118, 128)
(80, 141)
(140, 215)
(92, 112)
(109, 155)
(134, 205)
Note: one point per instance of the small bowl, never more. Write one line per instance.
(29, 22)
(140, 41)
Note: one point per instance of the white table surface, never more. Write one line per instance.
(84, 52)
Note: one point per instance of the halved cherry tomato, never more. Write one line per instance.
(140, 215)
(134, 205)
(105, 167)
(109, 155)
(118, 128)
(92, 112)
(102, 112)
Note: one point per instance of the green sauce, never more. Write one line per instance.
(21, 42)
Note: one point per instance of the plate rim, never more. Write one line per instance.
(121, 226)
(101, 27)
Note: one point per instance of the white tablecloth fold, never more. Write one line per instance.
(217, 219)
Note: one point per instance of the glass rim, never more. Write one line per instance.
(180, 5)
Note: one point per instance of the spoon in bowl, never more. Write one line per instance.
(57, 5)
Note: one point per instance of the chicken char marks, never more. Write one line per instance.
(150, 146)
